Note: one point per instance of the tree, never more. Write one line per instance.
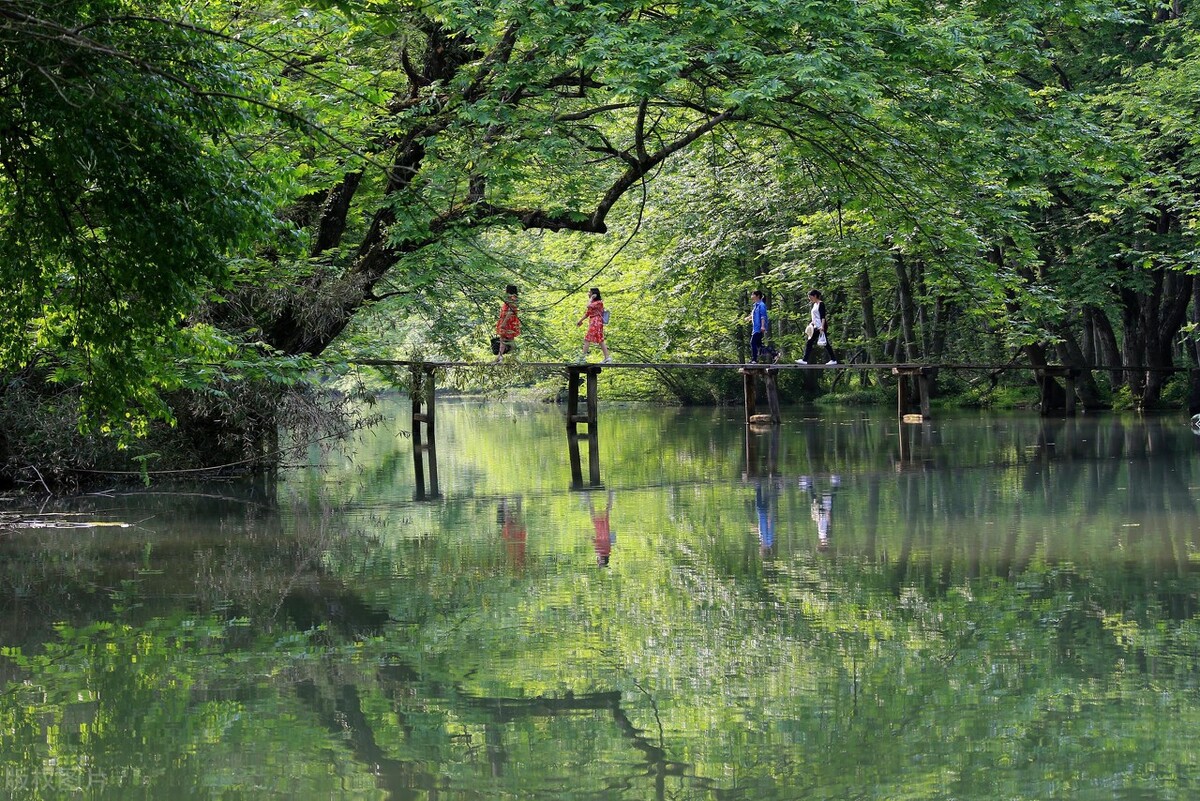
(119, 200)
(928, 161)
(1115, 244)
(542, 117)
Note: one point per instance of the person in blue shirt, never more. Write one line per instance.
(758, 330)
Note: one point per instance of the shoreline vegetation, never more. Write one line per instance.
(68, 462)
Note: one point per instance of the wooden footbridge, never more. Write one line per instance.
(913, 392)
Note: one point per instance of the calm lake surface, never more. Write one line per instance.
(986, 606)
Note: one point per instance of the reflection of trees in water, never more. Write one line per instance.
(937, 550)
(1066, 475)
(815, 674)
(217, 551)
(1096, 525)
(490, 728)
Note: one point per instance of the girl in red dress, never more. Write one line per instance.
(508, 327)
(594, 314)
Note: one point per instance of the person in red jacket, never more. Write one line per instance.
(508, 327)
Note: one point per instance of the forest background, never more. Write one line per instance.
(210, 210)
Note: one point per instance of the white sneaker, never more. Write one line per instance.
(801, 361)
(832, 361)
(607, 361)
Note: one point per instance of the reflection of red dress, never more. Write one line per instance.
(595, 313)
(513, 533)
(603, 539)
(509, 325)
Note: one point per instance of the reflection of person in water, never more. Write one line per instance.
(821, 506)
(766, 518)
(512, 530)
(604, 538)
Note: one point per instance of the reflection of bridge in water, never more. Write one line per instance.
(1056, 388)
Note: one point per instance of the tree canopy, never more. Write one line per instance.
(120, 198)
(186, 184)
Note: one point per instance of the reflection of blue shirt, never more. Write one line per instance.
(759, 318)
(766, 531)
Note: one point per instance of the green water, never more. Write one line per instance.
(984, 607)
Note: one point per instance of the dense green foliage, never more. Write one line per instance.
(987, 182)
(120, 200)
(981, 184)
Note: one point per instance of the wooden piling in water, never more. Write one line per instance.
(424, 388)
(1051, 394)
(906, 409)
(587, 375)
(773, 396)
(573, 379)
(593, 415)
(750, 393)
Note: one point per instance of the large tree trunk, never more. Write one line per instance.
(1088, 345)
(943, 312)
(866, 302)
(1151, 320)
(904, 288)
(1170, 317)
(1193, 344)
(1108, 351)
(1071, 355)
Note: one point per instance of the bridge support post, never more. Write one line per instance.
(424, 443)
(908, 409)
(586, 375)
(750, 393)
(773, 396)
(1052, 397)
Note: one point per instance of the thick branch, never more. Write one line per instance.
(639, 131)
(334, 213)
(577, 116)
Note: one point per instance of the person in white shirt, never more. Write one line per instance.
(818, 331)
